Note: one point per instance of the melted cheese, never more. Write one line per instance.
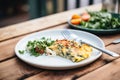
(71, 50)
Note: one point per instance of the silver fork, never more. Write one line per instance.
(68, 35)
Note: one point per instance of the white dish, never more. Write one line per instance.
(56, 62)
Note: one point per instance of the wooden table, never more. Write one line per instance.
(12, 68)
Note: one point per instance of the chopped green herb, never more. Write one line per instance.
(21, 51)
(37, 47)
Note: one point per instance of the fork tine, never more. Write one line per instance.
(66, 34)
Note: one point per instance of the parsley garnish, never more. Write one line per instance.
(40, 44)
(21, 51)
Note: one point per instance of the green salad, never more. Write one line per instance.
(101, 20)
(97, 20)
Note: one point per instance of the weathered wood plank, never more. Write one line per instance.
(115, 48)
(109, 38)
(41, 23)
(69, 74)
(15, 69)
(76, 73)
(102, 61)
(7, 48)
(110, 71)
(20, 69)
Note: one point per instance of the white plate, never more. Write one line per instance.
(56, 62)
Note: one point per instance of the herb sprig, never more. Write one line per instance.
(37, 47)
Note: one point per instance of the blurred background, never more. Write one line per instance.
(15, 11)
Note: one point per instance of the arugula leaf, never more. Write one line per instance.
(101, 20)
(38, 47)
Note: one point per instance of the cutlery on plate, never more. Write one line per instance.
(68, 35)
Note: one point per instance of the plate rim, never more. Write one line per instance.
(75, 26)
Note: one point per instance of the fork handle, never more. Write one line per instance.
(103, 50)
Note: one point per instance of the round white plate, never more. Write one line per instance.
(56, 62)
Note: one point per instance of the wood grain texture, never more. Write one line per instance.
(15, 69)
(109, 38)
(7, 48)
(76, 73)
(110, 71)
(41, 23)
(53, 75)
(19, 68)
(72, 74)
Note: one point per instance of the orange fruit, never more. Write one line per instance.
(75, 16)
(76, 21)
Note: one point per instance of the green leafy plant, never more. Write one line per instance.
(101, 20)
